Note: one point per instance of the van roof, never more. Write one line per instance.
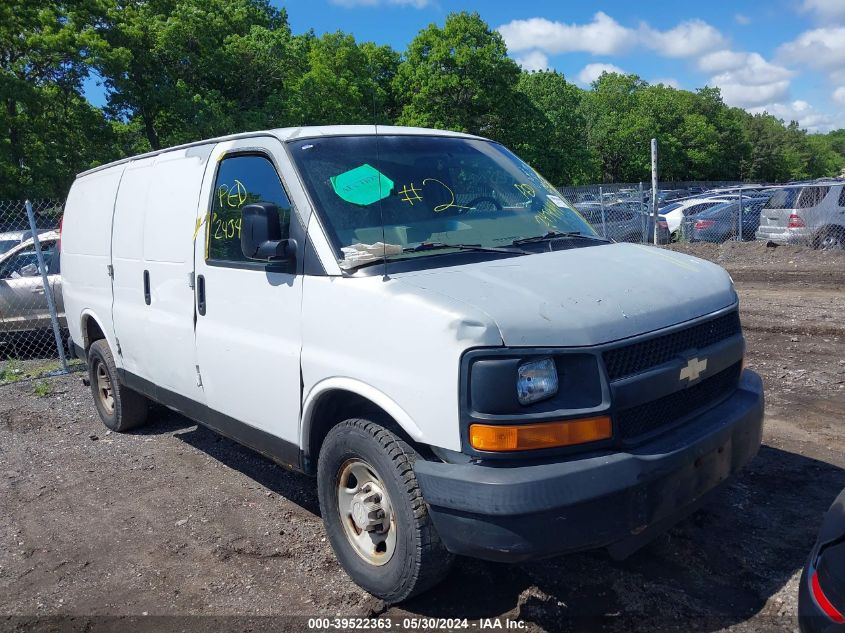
(290, 133)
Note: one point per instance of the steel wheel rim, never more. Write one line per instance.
(832, 243)
(366, 512)
(104, 388)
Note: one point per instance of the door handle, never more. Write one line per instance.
(147, 297)
(38, 291)
(201, 295)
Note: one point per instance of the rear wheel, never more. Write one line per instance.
(832, 239)
(374, 513)
(120, 408)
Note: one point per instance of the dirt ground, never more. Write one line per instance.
(176, 528)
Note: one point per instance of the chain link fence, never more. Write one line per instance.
(33, 331)
(810, 214)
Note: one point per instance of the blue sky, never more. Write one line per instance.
(783, 56)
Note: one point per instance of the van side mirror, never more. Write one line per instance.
(261, 234)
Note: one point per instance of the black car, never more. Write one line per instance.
(821, 595)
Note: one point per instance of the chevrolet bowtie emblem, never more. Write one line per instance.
(693, 370)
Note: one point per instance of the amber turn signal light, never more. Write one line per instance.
(523, 437)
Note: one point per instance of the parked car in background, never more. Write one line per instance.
(821, 594)
(624, 222)
(720, 223)
(812, 214)
(10, 239)
(668, 196)
(675, 213)
(23, 301)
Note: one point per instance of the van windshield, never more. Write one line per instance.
(395, 196)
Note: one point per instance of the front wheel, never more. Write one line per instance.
(374, 513)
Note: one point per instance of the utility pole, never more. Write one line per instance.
(654, 186)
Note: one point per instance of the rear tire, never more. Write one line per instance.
(403, 563)
(832, 239)
(120, 408)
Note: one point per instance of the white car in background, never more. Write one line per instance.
(674, 213)
(23, 302)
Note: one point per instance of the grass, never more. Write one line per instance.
(15, 370)
(42, 389)
(11, 371)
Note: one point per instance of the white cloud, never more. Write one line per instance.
(744, 96)
(825, 9)
(605, 36)
(822, 48)
(667, 81)
(602, 36)
(721, 61)
(805, 114)
(839, 95)
(746, 80)
(417, 4)
(742, 19)
(688, 39)
(591, 72)
(533, 60)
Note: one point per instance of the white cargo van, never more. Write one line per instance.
(420, 320)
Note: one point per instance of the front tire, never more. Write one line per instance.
(120, 408)
(375, 516)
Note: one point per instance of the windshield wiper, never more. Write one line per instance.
(432, 246)
(556, 235)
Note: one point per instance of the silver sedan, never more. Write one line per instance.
(23, 301)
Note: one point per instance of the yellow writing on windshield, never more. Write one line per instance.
(549, 215)
(525, 189)
(411, 194)
(448, 205)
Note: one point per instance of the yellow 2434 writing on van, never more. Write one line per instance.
(422, 322)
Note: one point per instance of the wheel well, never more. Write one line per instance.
(337, 405)
(93, 331)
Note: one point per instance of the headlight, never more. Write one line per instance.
(536, 380)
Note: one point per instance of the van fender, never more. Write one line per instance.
(88, 313)
(359, 388)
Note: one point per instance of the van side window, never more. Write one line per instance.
(242, 180)
(811, 197)
(842, 197)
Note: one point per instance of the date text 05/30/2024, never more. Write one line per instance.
(387, 624)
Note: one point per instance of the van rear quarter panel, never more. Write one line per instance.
(86, 250)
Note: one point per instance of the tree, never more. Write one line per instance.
(182, 70)
(190, 69)
(614, 127)
(553, 133)
(458, 77)
(346, 82)
(43, 116)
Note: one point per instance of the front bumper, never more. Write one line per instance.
(618, 500)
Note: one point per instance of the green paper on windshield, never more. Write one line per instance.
(363, 185)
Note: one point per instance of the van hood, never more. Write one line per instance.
(583, 296)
